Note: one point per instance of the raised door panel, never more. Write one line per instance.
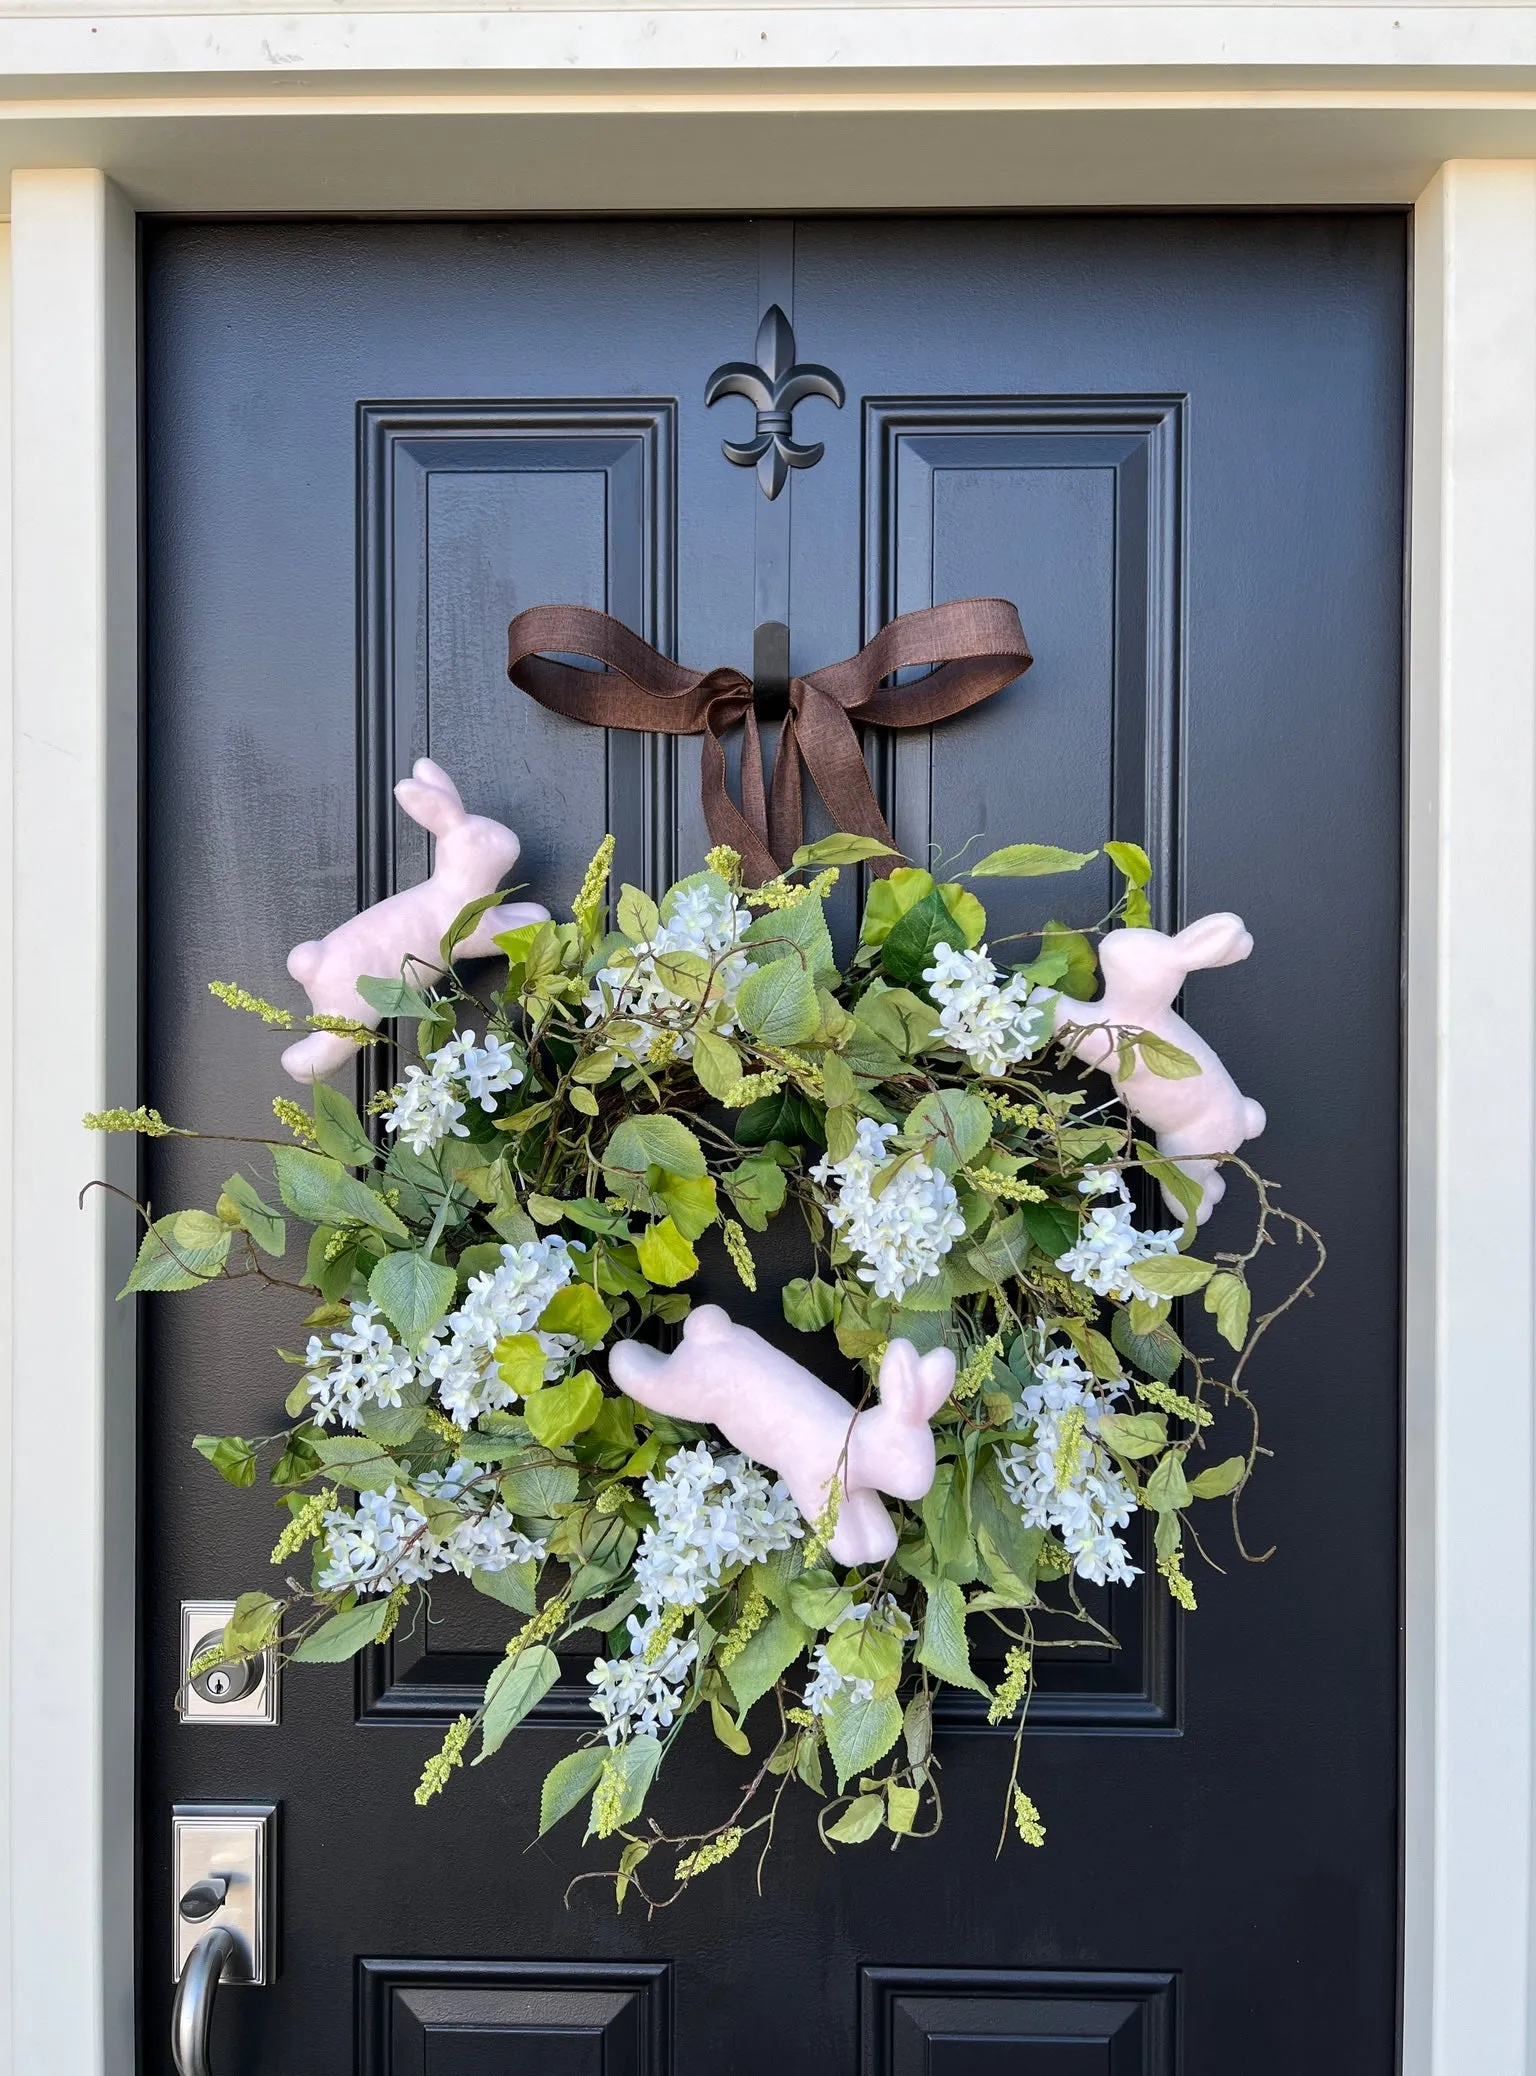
(470, 514)
(1016, 2022)
(505, 2018)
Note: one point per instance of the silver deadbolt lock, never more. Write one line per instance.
(242, 1693)
(222, 1684)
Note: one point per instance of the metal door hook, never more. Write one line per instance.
(196, 1986)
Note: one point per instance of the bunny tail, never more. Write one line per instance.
(304, 961)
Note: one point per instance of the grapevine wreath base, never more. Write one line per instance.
(494, 1385)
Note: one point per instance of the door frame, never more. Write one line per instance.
(69, 845)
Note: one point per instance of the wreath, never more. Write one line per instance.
(497, 1268)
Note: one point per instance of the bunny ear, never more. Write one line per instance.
(434, 775)
(915, 1386)
(426, 802)
(1215, 940)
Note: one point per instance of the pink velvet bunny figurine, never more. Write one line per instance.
(776, 1412)
(1202, 1114)
(473, 854)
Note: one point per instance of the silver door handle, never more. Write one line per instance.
(192, 2012)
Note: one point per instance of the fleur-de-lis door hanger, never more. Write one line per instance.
(774, 385)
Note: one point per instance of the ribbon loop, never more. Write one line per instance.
(976, 646)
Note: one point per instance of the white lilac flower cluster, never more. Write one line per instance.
(826, 1682)
(1109, 1246)
(460, 1359)
(1061, 1477)
(428, 1105)
(641, 1693)
(994, 1025)
(904, 1232)
(705, 919)
(364, 1365)
(713, 1513)
(387, 1541)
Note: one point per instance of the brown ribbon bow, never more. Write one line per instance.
(977, 645)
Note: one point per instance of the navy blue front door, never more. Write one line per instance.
(1177, 444)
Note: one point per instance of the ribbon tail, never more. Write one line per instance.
(834, 757)
(725, 820)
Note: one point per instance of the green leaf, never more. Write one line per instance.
(942, 1646)
(841, 849)
(1080, 982)
(944, 1516)
(520, 1360)
(392, 998)
(818, 1599)
(860, 1820)
(1229, 1298)
(917, 1730)
(569, 1781)
(1157, 1354)
(961, 1124)
(1004, 1252)
(766, 1654)
(727, 1732)
(536, 1489)
(1220, 1479)
(180, 1252)
(464, 923)
(1134, 1434)
(253, 1625)
(559, 1412)
(716, 1064)
(1053, 1227)
(231, 1456)
(665, 1256)
(264, 1225)
(321, 1192)
(897, 1019)
(910, 947)
(637, 914)
(354, 1460)
(889, 900)
(784, 1116)
(860, 1733)
(777, 1003)
(1132, 861)
(1169, 1062)
(756, 1188)
(799, 933)
(343, 1636)
(512, 1586)
(340, 1130)
(866, 1651)
(1030, 861)
(901, 1807)
(576, 1310)
(637, 1762)
(1167, 1488)
(512, 1689)
(413, 1292)
(1184, 1189)
(1174, 1275)
(690, 1202)
(647, 1142)
(808, 1305)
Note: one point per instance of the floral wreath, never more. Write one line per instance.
(532, 1212)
